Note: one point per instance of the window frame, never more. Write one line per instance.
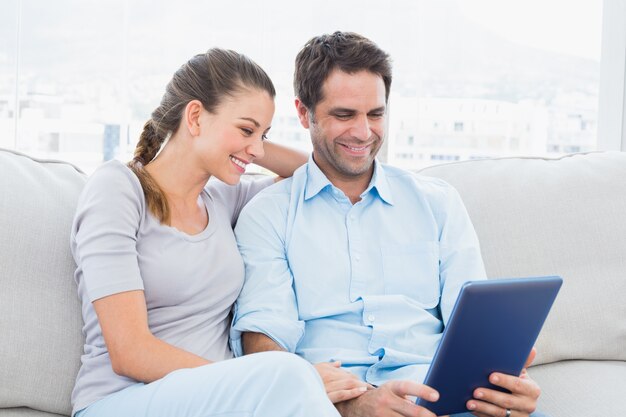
(611, 135)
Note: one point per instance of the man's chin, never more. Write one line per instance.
(352, 170)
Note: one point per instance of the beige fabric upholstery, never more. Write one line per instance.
(26, 412)
(564, 217)
(533, 217)
(582, 388)
(40, 320)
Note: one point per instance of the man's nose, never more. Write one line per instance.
(361, 128)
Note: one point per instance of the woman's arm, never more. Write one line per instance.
(281, 159)
(133, 349)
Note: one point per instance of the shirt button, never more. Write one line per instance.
(371, 317)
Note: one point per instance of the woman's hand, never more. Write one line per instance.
(340, 385)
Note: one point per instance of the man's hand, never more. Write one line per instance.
(340, 385)
(390, 400)
(522, 401)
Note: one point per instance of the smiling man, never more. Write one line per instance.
(353, 262)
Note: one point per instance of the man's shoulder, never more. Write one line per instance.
(270, 202)
(407, 181)
(278, 191)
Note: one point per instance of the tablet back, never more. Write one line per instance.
(492, 328)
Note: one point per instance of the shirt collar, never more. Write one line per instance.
(317, 181)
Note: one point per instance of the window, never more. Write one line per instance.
(472, 78)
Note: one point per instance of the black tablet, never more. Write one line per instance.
(492, 328)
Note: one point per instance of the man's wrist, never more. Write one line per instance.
(347, 407)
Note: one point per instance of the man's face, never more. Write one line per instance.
(348, 126)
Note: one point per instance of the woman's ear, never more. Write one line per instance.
(191, 118)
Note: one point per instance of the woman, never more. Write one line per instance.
(158, 266)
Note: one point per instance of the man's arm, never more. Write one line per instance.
(340, 385)
(461, 260)
(266, 304)
(266, 312)
(258, 342)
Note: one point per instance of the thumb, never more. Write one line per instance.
(531, 357)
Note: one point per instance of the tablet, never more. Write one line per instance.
(492, 328)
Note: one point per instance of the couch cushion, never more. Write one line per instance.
(566, 217)
(25, 412)
(582, 388)
(40, 320)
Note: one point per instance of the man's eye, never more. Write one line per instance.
(376, 115)
(343, 116)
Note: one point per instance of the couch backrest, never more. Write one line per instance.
(40, 320)
(565, 217)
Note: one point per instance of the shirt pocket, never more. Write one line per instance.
(412, 270)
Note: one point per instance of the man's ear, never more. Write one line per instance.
(191, 117)
(303, 113)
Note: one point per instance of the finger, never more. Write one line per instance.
(404, 388)
(345, 384)
(330, 373)
(531, 357)
(335, 364)
(501, 399)
(481, 408)
(518, 386)
(346, 394)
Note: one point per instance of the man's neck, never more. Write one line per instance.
(352, 186)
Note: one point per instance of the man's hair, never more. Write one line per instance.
(346, 51)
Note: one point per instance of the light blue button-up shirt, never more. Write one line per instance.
(371, 284)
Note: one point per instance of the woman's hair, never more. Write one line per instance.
(209, 78)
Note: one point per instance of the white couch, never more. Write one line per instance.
(533, 216)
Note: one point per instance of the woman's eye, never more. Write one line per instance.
(264, 137)
(247, 132)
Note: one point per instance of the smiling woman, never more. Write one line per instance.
(200, 116)
(158, 268)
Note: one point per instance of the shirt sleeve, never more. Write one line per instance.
(104, 232)
(267, 302)
(460, 256)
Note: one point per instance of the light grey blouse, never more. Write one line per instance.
(190, 282)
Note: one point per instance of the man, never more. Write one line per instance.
(354, 262)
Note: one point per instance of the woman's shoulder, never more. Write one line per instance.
(116, 182)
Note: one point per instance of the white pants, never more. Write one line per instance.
(269, 384)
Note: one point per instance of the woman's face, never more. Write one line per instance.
(231, 137)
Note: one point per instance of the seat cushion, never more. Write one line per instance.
(564, 217)
(582, 388)
(25, 412)
(40, 320)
